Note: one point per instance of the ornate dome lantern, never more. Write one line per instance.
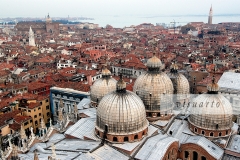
(102, 86)
(124, 114)
(155, 89)
(211, 113)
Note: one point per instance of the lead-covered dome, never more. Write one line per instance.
(124, 114)
(180, 84)
(102, 86)
(155, 90)
(154, 62)
(211, 113)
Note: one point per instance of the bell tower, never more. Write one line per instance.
(31, 37)
(210, 16)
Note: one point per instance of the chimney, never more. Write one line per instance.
(89, 79)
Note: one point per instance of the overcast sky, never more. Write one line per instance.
(91, 8)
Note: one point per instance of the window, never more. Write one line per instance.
(26, 123)
(211, 134)
(186, 154)
(195, 155)
(46, 100)
(48, 114)
(36, 123)
(203, 132)
(35, 116)
(203, 158)
(40, 114)
(47, 107)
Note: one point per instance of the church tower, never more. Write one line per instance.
(31, 37)
(48, 19)
(210, 16)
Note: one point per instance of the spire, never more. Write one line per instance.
(61, 103)
(15, 153)
(60, 115)
(210, 15)
(53, 151)
(42, 124)
(35, 155)
(22, 133)
(31, 37)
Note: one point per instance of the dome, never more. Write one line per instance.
(212, 112)
(124, 114)
(180, 84)
(102, 86)
(106, 72)
(155, 90)
(154, 62)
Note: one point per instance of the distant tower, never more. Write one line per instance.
(48, 19)
(210, 16)
(31, 37)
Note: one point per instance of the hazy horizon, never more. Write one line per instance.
(80, 8)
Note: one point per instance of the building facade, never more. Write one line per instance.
(69, 98)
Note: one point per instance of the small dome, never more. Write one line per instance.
(154, 62)
(213, 87)
(106, 72)
(121, 85)
(102, 86)
(174, 66)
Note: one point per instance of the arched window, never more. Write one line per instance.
(170, 132)
(136, 136)
(203, 132)
(115, 139)
(226, 132)
(211, 134)
(195, 129)
(125, 139)
(220, 134)
(186, 154)
(203, 158)
(195, 155)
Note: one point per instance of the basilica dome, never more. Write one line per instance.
(211, 113)
(155, 90)
(124, 114)
(102, 86)
(180, 85)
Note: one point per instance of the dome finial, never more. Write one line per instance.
(174, 67)
(121, 85)
(105, 71)
(213, 88)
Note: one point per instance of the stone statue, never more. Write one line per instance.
(50, 122)
(32, 134)
(53, 151)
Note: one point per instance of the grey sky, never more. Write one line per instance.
(91, 8)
